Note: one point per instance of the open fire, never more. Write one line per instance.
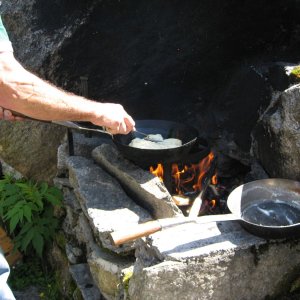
(189, 181)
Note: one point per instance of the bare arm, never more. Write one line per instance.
(25, 93)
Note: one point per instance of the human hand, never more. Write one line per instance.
(6, 114)
(114, 118)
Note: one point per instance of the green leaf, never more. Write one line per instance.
(14, 222)
(27, 212)
(27, 239)
(56, 192)
(54, 200)
(25, 228)
(38, 243)
(21, 215)
(11, 213)
(11, 189)
(33, 206)
(10, 200)
(43, 188)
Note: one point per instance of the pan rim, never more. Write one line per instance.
(239, 191)
(169, 122)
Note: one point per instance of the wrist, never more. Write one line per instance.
(97, 113)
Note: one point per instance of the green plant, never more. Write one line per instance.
(27, 209)
(33, 272)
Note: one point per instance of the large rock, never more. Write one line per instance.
(212, 261)
(171, 69)
(31, 148)
(38, 30)
(163, 71)
(276, 138)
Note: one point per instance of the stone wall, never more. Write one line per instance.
(209, 261)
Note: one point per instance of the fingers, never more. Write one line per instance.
(123, 127)
(130, 123)
(127, 124)
(6, 114)
(115, 119)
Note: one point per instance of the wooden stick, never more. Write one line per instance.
(129, 234)
(140, 230)
(195, 208)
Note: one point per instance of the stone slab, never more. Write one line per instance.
(143, 187)
(108, 271)
(83, 145)
(84, 281)
(188, 242)
(212, 261)
(103, 201)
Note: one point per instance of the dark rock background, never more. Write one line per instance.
(197, 62)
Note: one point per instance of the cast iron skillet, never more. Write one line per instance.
(268, 208)
(168, 129)
(147, 157)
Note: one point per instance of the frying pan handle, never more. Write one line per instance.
(64, 123)
(17, 114)
(68, 124)
(126, 235)
(140, 230)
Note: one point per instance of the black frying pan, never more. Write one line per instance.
(269, 208)
(168, 129)
(146, 157)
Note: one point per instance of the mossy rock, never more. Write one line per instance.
(295, 74)
(59, 262)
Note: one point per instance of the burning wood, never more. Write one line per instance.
(190, 182)
(182, 200)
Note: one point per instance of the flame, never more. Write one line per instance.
(158, 171)
(188, 178)
(182, 177)
(213, 203)
(203, 167)
(214, 179)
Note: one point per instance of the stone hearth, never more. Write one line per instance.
(209, 261)
(181, 61)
